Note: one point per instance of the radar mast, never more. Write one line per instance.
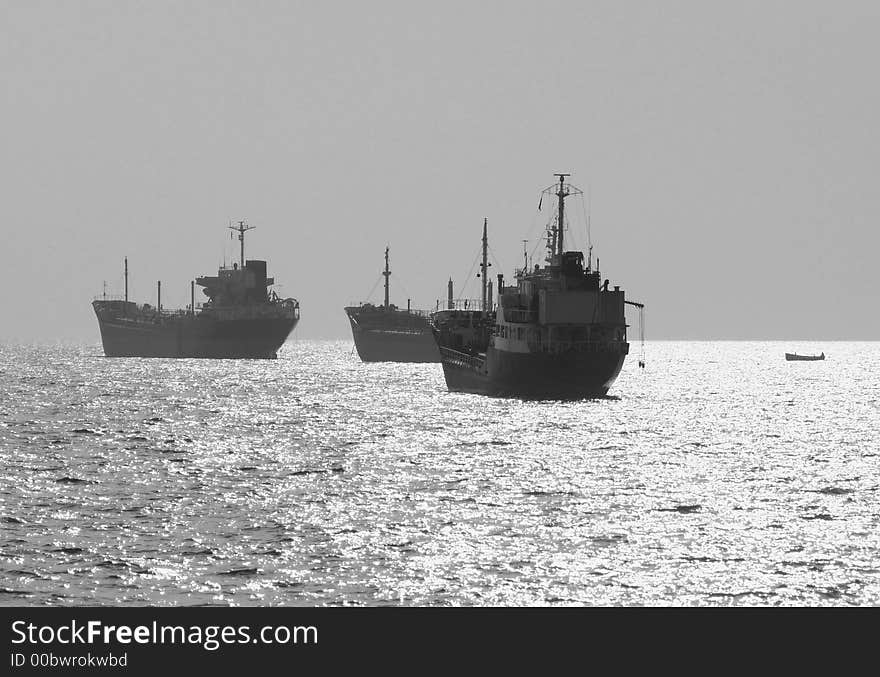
(241, 229)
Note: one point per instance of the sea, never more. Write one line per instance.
(717, 475)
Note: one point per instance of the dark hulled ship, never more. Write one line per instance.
(240, 319)
(557, 333)
(387, 333)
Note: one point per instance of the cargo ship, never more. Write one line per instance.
(557, 333)
(387, 333)
(241, 317)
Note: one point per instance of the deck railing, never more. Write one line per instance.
(456, 358)
(555, 347)
(460, 304)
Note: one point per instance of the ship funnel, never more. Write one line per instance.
(484, 267)
(258, 279)
(450, 304)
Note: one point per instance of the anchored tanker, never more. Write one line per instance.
(240, 319)
(388, 334)
(557, 333)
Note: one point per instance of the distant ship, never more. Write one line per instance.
(387, 333)
(558, 333)
(240, 319)
(794, 357)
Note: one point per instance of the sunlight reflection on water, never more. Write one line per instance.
(721, 474)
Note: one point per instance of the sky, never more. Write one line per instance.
(730, 152)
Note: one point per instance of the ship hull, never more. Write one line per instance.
(196, 337)
(566, 375)
(392, 336)
(375, 345)
(794, 357)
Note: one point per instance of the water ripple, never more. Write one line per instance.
(719, 475)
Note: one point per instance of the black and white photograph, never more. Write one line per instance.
(428, 305)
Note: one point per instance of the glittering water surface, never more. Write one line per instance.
(721, 474)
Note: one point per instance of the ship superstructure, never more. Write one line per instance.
(387, 333)
(242, 317)
(557, 332)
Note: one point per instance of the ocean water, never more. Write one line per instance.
(718, 475)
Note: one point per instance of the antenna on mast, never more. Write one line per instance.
(241, 229)
(555, 239)
(387, 275)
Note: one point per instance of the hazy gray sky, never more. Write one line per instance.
(731, 150)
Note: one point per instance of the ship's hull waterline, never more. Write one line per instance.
(196, 338)
(565, 375)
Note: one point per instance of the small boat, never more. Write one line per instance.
(791, 357)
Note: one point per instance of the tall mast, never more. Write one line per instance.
(561, 194)
(484, 266)
(126, 279)
(589, 235)
(241, 229)
(387, 275)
